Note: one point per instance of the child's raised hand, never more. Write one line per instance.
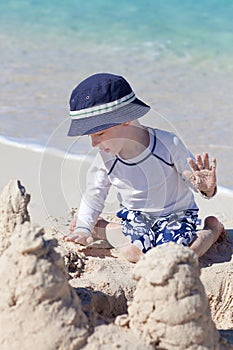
(203, 175)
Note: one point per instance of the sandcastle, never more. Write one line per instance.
(13, 208)
(170, 307)
(39, 307)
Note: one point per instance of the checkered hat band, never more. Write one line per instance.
(104, 108)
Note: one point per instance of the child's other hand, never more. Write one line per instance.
(79, 237)
(203, 174)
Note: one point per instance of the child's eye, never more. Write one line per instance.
(97, 135)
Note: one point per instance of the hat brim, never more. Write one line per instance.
(90, 125)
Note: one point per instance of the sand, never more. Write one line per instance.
(89, 298)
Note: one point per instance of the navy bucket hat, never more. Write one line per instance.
(101, 101)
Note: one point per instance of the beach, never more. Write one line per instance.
(177, 57)
(55, 185)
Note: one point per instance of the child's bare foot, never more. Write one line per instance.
(130, 252)
(215, 226)
(206, 237)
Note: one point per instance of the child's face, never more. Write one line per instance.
(110, 140)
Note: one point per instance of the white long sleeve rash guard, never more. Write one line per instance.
(153, 182)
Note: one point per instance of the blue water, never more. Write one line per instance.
(172, 24)
(178, 55)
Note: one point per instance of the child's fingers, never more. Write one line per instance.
(206, 161)
(89, 240)
(80, 238)
(192, 164)
(214, 163)
(84, 240)
(66, 238)
(73, 224)
(200, 164)
(72, 236)
(69, 238)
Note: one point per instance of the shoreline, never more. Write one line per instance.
(56, 152)
(56, 182)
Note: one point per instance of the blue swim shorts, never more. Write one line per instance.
(147, 232)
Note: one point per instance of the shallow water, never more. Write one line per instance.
(176, 55)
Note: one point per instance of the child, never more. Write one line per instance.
(151, 169)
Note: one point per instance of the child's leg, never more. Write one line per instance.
(208, 236)
(130, 252)
(112, 232)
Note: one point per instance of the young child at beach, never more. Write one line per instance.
(152, 171)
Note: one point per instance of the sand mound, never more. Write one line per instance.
(112, 337)
(38, 306)
(217, 278)
(105, 286)
(170, 308)
(13, 209)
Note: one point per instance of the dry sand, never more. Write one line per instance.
(61, 296)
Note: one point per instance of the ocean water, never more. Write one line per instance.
(177, 55)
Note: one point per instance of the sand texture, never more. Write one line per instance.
(170, 307)
(38, 306)
(58, 295)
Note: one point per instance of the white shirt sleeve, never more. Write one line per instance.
(180, 155)
(92, 202)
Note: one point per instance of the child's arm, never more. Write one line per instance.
(92, 204)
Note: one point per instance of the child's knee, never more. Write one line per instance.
(131, 252)
(115, 236)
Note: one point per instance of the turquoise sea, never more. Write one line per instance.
(177, 55)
